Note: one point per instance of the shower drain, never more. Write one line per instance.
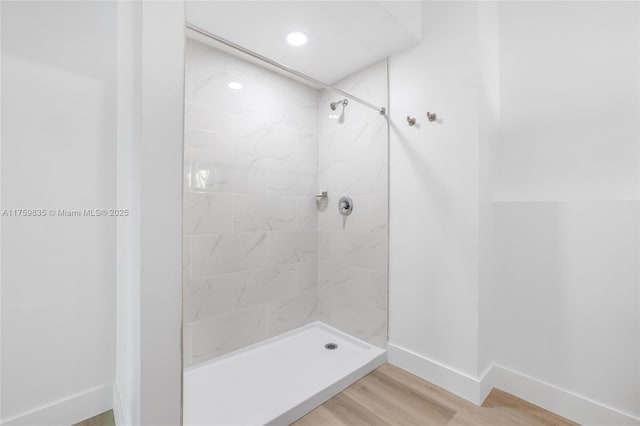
(331, 346)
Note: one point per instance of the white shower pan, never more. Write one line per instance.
(277, 381)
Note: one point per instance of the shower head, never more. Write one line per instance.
(334, 105)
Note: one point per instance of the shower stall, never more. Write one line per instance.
(285, 225)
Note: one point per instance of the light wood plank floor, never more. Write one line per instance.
(392, 396)
(104, 419)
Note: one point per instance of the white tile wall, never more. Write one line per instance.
(214, 254)
(366, 250)
(307, 274)
(259, 212)
(355, 300)
(254, 160)
(207, 297)
(260, 286)
(352, 250)
(219, 335)
(250, 221)
(207, 213)
(292, 246)
(293, 313)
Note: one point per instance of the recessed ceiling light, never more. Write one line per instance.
(235, 85)
(296, 39)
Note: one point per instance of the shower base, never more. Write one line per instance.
(277, 381)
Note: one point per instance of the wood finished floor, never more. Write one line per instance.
(392, 396)
(104, 419)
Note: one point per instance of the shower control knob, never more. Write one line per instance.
(345, 205)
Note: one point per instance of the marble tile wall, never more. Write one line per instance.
(261, 256)
(352, 250)
(250, 216)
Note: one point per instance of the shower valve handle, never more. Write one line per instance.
(345, 205)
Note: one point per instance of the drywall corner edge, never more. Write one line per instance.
(160, 168)
(119, 414)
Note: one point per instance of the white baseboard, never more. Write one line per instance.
(119, 413)
(565, 403)
(67, 411)
(452, 380)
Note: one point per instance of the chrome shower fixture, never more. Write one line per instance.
(334, 105)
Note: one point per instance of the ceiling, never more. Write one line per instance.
(343, 36)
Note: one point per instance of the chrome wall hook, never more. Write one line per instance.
(411, 121)
(432, 116)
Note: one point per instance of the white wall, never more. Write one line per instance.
(489, 116)
(160, 166)
(58, 152)
(127, 377)
(565, 296)
(148, 377)
(515, 221)
(62, 65)
(565, 305)
(569, 102)
(434, 190)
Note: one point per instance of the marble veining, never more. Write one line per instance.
(293, 313)
(250, 216)
(261, 255)
(263, 213)
(352, 250)
(207, 213)
(207, 297)
(265, 285)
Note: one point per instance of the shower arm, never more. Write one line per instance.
(381, 110)
(334, 105)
